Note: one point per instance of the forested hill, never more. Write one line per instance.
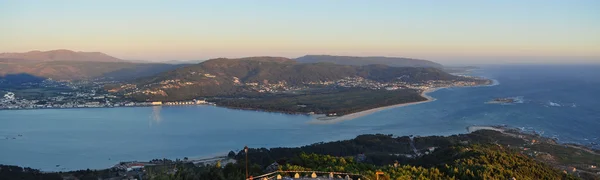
(361, 61)
(226, 76)
(274, 69)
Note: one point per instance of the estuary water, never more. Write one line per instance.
(558, 101)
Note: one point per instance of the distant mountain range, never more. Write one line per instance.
(60, 55)
(71, 65)
(361, 61)
(227, 76)
(348, 60)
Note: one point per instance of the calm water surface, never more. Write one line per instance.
(558, 101)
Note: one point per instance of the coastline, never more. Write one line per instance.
(474, 128)
(320, 119)
(516, 132)
(504, 129)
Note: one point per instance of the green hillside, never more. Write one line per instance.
(220, 77)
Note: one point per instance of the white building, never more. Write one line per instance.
(391, 88)
(9, 96)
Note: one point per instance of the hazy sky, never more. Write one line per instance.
(445, 31)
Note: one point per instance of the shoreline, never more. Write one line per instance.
(504, 129)
(516, 132)
(320, 119)
(102, 107)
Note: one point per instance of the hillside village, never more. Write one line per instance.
(285, 87)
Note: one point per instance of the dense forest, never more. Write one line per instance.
(461, 162)
(479, 155)
(339, 101)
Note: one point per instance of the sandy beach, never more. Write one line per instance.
(471, 129)
(331, 120)
(322, 119)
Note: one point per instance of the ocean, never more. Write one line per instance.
(558, 101)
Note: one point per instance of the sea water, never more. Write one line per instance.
(557, 101)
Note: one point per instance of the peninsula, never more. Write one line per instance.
(284, 85)
(330, 86)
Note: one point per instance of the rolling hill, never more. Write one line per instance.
(229, 76)
(361, 61)
(274, 69)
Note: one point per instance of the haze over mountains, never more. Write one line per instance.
(71, 65)
(361, 61)
(60, 55)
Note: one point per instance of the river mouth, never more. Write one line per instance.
(97, 138)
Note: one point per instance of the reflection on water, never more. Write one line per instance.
(155, 117)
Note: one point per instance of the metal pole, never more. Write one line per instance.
(246, 151)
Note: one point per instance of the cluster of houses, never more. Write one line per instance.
(172, 103)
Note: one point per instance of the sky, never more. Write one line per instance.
(458, 31)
